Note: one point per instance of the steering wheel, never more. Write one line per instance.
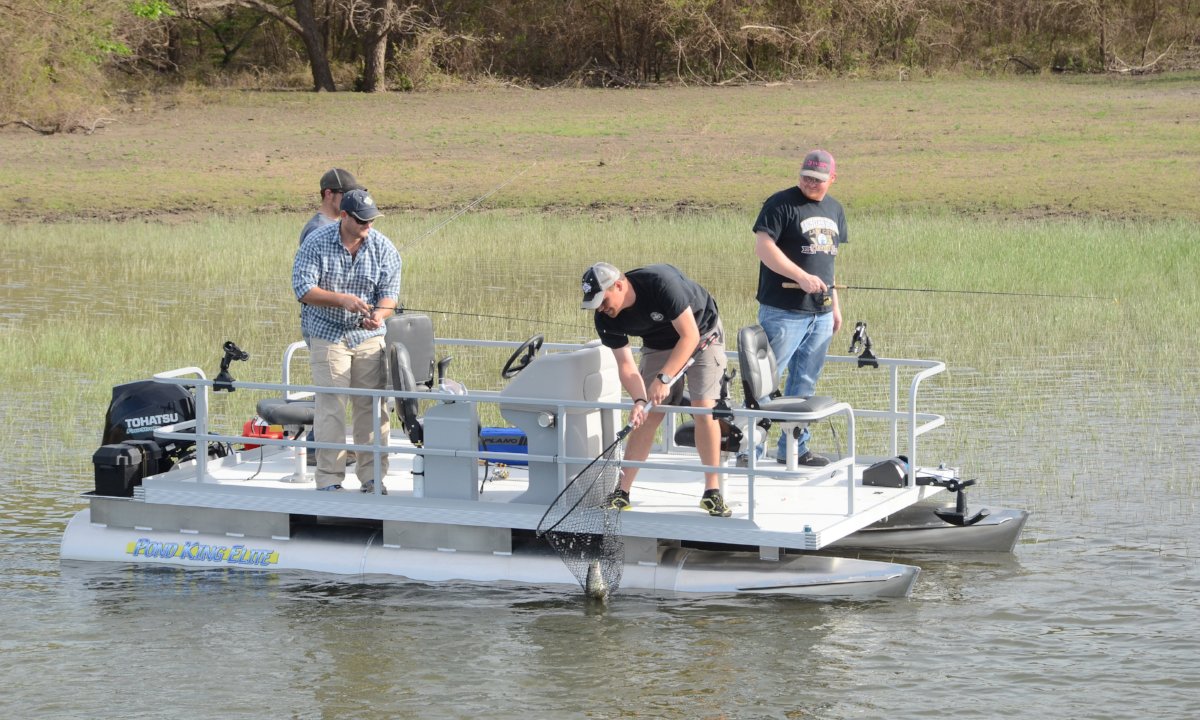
(521, 358)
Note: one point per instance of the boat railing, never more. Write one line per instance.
(915, 423)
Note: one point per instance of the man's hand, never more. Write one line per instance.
(637, 416)
(657, 392)
(811, 283)
(353, 303)
(377, 318)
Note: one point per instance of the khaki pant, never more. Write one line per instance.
(703, 377)
(335, 365)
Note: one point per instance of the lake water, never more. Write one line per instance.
(1094, 616)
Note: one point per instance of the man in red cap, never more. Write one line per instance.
(796, 237)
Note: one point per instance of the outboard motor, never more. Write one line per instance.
(129, 449)
(139, 408)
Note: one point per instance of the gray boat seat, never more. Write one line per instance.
(408, 409)
(412, 366)
(278, 411)
(760, 383)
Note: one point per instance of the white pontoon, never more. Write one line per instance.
(171, 489)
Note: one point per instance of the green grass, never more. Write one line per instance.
(111, 302)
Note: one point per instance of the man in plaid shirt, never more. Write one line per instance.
(347, 276)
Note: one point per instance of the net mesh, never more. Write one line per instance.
(581, 528)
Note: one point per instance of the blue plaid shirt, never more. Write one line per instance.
(373, 275)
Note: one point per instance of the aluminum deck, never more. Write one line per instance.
(665, 500)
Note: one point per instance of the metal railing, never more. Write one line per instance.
(914, 422)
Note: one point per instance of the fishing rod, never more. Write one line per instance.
(462, 211)
(466, 208)
(493, 317)
(796, 286)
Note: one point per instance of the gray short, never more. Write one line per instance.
(703, 378)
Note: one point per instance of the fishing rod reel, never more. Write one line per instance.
(860, 340)
(223, 382)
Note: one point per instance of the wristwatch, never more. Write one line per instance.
(664, 378)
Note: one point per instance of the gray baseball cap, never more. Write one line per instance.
(359, 204)
(339, 180)
(596, 280)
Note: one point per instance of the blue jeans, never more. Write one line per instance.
(799, 342)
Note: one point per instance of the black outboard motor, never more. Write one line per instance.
(130, 451)
(139, 408)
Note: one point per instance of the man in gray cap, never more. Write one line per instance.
(334, 184)
(797, 236)
(670, 313)
(347, 276)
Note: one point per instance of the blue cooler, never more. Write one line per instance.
(512, 440)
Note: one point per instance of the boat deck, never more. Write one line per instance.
(804, 510)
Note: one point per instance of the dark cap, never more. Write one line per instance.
(596, 280)
(339, 180)
(359, 204)
(818, 164)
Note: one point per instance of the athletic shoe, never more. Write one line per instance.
(715, 504)
(808, 459)
(330, 488)
(618, 500)
(370, 488)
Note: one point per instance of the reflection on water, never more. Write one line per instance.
(1101, 593)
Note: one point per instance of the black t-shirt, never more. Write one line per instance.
(809, 233)
(662, 293)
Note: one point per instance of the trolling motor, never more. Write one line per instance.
(958, 516)
(860, 339)
(224, 381)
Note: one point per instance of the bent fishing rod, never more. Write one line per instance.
(463, 211)
(796, 286)
(404, 309)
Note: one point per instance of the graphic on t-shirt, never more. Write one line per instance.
(821, 234)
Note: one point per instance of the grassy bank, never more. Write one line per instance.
(1035, 147)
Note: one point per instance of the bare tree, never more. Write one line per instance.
(377, 22)
(304, 25)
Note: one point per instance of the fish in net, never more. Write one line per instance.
(583, 530)
(581, 526)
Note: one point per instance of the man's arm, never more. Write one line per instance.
(328, 298)
(689, 338)
(631, 380)
(769, 253)
(837, 310)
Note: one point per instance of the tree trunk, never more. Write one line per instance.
(310, 35)
(375, 47)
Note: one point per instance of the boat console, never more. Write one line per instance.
(587, 375)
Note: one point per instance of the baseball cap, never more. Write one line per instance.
(817, 164)
(359, 204)
(339, 180)
(596, 280)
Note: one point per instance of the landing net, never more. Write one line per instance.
(581, 528)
